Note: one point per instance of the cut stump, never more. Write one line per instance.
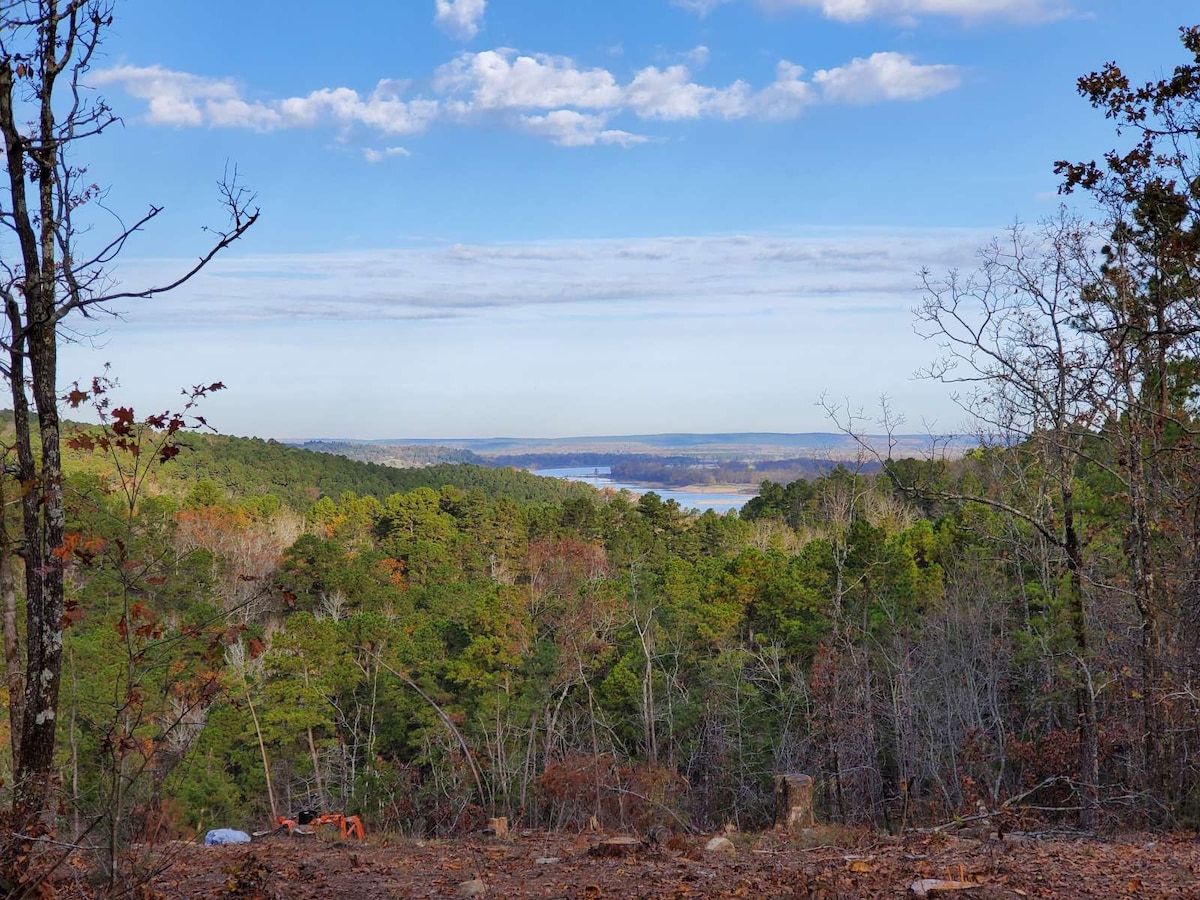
(794, 802)
(498, 826)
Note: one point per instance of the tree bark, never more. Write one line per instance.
(1085, 697)
(13, 669)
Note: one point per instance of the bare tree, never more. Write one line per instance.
(55, 266)
(1037, 388)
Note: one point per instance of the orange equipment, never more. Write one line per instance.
(349, 826)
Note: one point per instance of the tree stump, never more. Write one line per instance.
(794, 802)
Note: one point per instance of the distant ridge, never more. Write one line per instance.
(717, 445)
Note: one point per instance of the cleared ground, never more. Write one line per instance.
(539, 865)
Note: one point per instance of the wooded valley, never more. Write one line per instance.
(203, 631)
(508, 645)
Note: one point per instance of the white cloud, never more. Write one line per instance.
(569, 128)
(548, 96)
(884, 76)
(503, 79)
(372, 155)
(787, 96)
(174, 98)
(862, 270)
(670, 94)
(459, 18)
(179, 98)
(970, 10)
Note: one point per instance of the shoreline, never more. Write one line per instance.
(738, 489)
(749, 490)
(745, 490)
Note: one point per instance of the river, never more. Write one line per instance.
(600, 476)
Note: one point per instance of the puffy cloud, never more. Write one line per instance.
(502, 79)
(548, 96)
(787, 96)
(459, 18)
(179, 98)
(884, 76)
(174, 98)
(670, 94)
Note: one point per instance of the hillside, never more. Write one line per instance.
(246, 467)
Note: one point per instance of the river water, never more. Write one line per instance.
(600, 476)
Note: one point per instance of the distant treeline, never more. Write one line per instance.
(401, 456)
(677, 471)
(248, 467)
(563, 460)
(669, 472)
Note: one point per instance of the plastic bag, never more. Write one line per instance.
(226, 836)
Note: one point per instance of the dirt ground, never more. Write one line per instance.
(530, 865)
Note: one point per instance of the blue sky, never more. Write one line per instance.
(561, 217)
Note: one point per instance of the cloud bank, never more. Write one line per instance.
(547, 96)
(858, 272)
(723, 333)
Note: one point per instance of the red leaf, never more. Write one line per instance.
(122, 421)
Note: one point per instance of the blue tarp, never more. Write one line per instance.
(226, 836)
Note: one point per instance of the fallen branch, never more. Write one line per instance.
(1008, 804)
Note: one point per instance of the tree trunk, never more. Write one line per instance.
(44, 588)
(13, 670)
(262, 749)
(1085, 697)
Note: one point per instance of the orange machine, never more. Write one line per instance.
(349, 826)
